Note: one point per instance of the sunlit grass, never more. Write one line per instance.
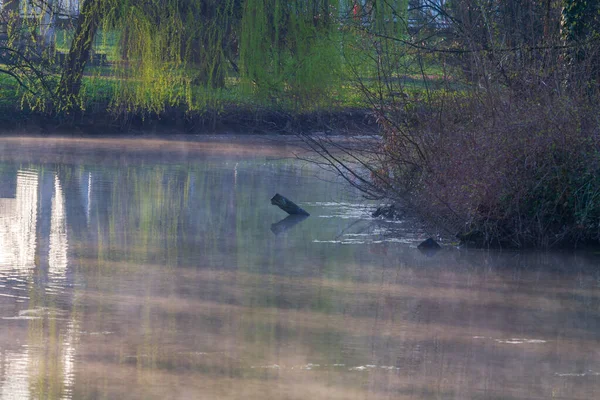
(111, 87)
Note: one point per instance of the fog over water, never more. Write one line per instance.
(158, 269)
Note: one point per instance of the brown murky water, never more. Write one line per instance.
(157, 269)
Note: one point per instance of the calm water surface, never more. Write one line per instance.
(154, 269)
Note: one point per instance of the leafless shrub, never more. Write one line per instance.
(501, 144)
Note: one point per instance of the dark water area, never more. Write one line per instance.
(158, 269)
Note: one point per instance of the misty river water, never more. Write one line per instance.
(158, 269)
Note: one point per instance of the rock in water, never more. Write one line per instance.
(429, 247)
(287, 205)
(429, 244)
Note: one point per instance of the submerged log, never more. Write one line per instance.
(287, 205)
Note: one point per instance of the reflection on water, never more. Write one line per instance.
(287, 223)
(34, 365)
(15, 384)
(162, 271)
(18, 218)
(57, 257)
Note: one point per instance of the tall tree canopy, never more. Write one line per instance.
(168, 52)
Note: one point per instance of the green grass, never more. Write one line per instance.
(9, 91)
(104, 43)
(99, 89)
(100, 86)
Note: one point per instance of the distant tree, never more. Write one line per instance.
(289, 47)
(23, 53)
(176, 52)
(88, 22)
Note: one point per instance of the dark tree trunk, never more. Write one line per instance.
(79, 54)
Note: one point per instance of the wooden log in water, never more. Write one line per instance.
(287, 205)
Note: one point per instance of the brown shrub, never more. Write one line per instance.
(523, 173)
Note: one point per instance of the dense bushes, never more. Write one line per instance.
(497, 137)
(498, 170)
(524, 173)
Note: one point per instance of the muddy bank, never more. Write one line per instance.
(230, 119)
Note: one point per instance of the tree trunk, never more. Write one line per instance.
(79, 54)
(48, 23)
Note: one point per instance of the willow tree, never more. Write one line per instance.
(210, 44)
(166, 47)
(25, 53)
(290, 48)
(70, 83)
(176, 53)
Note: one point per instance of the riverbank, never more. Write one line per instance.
(227, 119)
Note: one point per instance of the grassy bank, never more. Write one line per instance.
(230, 109)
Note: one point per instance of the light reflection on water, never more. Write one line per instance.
(162, 271)
(18, 218)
